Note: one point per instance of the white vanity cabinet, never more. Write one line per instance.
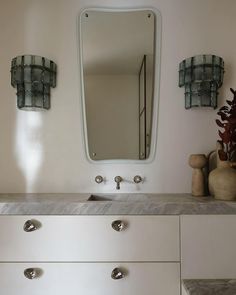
(89, 255)
(208, 246)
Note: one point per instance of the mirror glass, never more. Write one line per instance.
(118, 62)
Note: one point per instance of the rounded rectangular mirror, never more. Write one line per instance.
(120, 53)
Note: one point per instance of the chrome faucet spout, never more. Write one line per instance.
(118, 180)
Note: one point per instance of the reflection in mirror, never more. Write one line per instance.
(118, 79)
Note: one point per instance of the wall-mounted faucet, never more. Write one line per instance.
(118, 180)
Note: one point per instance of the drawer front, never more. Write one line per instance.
(90, 279)
(90, 238)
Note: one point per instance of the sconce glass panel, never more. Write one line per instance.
(33, 76)
(202, 76)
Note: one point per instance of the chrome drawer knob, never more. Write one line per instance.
(117, 274)
(118, 225)
(31, 273)
(31, 225)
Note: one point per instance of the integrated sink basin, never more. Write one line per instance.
(141, 197)
(120, 198)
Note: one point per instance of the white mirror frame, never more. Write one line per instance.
(156, 94)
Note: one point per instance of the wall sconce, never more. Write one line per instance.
(201, 75)
(33, 76)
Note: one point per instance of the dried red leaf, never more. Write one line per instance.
(223, 116)
(219, 123)
(232, 120)
(233, 112)
(233, 91)
(228, 123)
(229, 102)
(222, 155)
(225, 136)
(227, 127)
(224, 108)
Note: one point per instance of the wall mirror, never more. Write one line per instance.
(120, 53)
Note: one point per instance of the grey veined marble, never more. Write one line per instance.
(210, 287)
(111, 204)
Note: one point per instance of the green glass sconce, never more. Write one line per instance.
(33, 76)
(202, 76)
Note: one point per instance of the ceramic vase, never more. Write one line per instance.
(198, 162)
(222, 180)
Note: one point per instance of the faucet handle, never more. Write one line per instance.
(118, 180)
(138, 179)
(99, 179)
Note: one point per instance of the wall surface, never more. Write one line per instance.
(43, 152)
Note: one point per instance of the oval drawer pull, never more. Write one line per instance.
(117, 274)
(31, 225)
(118, 225)
(32, 273)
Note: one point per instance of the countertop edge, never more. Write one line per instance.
(78, 204)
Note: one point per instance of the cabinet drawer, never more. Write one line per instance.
(90, 279)
(90, 238)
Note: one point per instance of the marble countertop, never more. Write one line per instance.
(122, 204)
(210, 287)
